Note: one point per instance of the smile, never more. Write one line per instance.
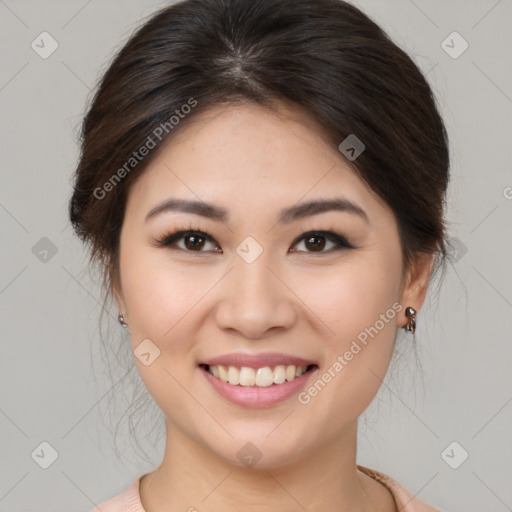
(260, 377)
(264, 386)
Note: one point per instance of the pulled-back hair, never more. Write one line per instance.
(324, 56)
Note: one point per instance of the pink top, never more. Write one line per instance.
(129, 500)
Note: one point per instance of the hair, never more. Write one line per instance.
(326, 57)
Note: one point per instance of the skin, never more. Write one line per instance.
(196, 304)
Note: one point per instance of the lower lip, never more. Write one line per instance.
(254, 396)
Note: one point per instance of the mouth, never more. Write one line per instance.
(263, 377)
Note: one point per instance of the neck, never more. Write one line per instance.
(191, 476)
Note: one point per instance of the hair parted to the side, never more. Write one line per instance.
(325, 56)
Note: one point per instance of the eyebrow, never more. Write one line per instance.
(286, 215)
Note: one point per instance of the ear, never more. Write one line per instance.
(118, 296)
(119, 300)
(416, 284)
(115, 285)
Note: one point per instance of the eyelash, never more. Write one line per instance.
(168, 240)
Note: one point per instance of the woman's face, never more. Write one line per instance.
(255, 283)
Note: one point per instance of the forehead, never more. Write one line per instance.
(249, 155)
(259, 133)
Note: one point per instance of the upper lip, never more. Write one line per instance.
(240, 359)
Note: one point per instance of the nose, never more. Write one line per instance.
(255, 300)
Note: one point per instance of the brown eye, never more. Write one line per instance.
(316, 241)
(193, 241)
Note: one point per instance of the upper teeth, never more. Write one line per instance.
(263, 377)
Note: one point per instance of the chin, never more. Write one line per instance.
(257, 451)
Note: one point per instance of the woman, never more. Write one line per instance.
(263, 185)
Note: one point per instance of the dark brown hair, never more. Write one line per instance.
(325, 56)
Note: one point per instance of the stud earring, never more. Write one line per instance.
(120, 317)
(410, 313)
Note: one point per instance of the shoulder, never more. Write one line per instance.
(127, 501)
(405, 500)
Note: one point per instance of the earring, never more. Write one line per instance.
(410, 313)
(120, 317)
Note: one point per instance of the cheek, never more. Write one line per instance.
(353, 298)
(159, 300)
(359, 305)
(344, 303)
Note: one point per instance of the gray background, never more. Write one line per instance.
(50, 390)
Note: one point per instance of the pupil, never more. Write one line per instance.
(193, 245)
(318, 244)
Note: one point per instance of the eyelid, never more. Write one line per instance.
(170, 240)
(167, 241)
(329, 234)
